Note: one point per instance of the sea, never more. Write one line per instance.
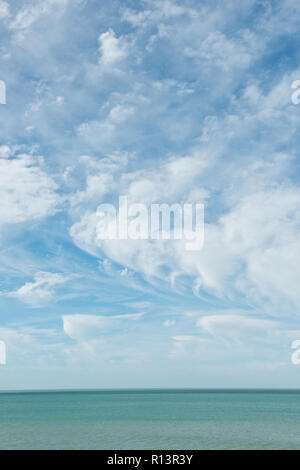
(150, 419)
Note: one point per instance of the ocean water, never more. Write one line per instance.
(153, 419)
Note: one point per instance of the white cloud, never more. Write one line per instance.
(4, 9)
(29, 193)
(158, 11)
(89, 327)
(263, 232)
(41, 290)
(227, 139)
(28, 15)
(217, 50)
(32, 348)
(166, 183)
(169, 323)
(193, 347)
(259, 230)
(113, 50)
(5, 151)
(235, 327)
(106, 130)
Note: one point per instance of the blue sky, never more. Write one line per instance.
(161, 101)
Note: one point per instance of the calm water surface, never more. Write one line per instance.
(150, 419)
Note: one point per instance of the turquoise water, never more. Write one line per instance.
(150, 420)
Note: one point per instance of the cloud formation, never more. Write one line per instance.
(41, 290)
(29, 193)
(163, 102)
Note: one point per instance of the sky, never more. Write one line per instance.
(160, 101)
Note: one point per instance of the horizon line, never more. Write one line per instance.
(152, 389)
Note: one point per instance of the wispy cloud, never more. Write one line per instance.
(162, 101)
(41, 290)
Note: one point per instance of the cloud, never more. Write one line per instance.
(41, 290)
(169, 323)
(235, 327)
(146, 187)
(157, 11)
(258, 231)
(5, 151)
(263, 231)
(4, 9)
(113, 50)
(28, 15)
(168, 102)
(88, 327)
(29, 193)
(218, 51)
(106, 130)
